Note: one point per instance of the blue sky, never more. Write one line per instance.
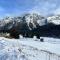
(17, 7)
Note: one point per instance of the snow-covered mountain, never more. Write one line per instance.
(54, 19)
(32, 20)
(35, 19)
(31, 24)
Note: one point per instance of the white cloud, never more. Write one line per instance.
(44, 7)
(57, 11)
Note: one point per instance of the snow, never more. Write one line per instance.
(34, 38)
(20, 36)
(42, 22)
(29, 49)
(54, 19)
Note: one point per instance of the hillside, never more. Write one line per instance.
(30, 25)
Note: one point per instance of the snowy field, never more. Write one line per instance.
(29, 49)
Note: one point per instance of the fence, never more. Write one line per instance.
(49, 56)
